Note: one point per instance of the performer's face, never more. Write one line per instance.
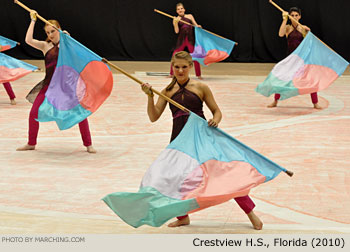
(181, 68)
(180, 10)
(295, 15)
(52, 34)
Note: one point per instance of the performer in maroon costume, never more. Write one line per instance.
(36, 96)
(191, 95)
(294, 34)
(185, 37)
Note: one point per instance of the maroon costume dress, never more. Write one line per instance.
(37, 96)
(191, 101)
(293, 41)
(186, 39)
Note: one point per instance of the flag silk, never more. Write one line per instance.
(12, 69)
(6, 44)
(209, 48)
(80, 84)
(202, 167)
(310, 68)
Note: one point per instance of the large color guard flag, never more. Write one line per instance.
(80, 84)
(12, 69)
(310, 68)
(210, 48)
(202, 167)
(6, 43)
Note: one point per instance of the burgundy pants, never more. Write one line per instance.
(245, 203)
(190, 47)
(34, 125)
(314, 97)
(9, 90)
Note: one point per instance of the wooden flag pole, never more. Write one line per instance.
(172, 17)
(38, 16)
(153, 90)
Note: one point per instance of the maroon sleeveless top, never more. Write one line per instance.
(185, 30)
(294, 39)
(189, 100)
(51, 58)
